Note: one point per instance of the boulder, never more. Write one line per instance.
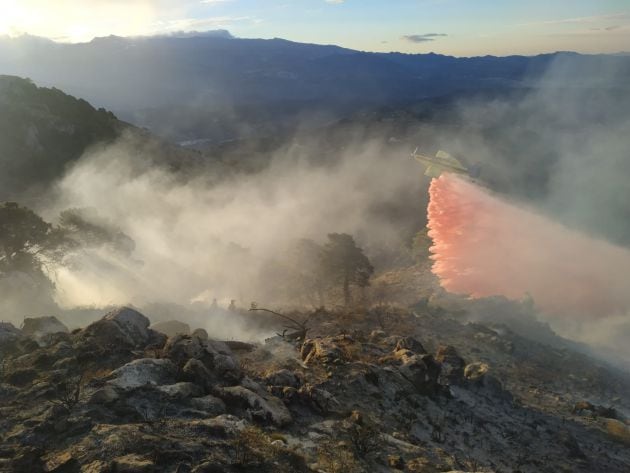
(132, 322)
(180, 391)
(200, 334)
(411, 344)
(195, 371)
(283, 378)
(171, 328)
(216, 346)
(8, 330)
(120, 329)
(452, 364)
(261, 405)
(182, 348)
(227, 367)
(420, 370)
(105, 395)
(8, 333)
(38, 327)
(210, 404)
(216, 356)
(142, 372)
(223, 425)
(478, 375)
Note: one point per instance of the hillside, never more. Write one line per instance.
(384, 390)
(42, 131)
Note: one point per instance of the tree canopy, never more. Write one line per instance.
(345, 263)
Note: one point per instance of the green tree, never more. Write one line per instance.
(346, 264)
(28, 245)
(27, 242)
(307, 274)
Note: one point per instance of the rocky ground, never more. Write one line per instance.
(379, 390)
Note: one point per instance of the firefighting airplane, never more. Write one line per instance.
(444, 162)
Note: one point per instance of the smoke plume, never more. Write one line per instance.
(230, 239)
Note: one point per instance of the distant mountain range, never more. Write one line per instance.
(179, 85)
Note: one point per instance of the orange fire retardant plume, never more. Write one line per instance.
(485, 246)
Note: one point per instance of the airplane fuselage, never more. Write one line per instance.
(436, 166)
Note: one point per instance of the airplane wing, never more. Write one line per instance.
(434, 171)
(448, 159)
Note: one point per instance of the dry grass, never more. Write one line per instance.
(618, 431)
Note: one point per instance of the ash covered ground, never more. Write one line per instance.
(368, 390)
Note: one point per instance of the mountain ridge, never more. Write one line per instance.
(210, 76)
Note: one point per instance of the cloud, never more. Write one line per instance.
(335, 2)
(422, 38)
(199, 24)
(582, 19)
(70, 20)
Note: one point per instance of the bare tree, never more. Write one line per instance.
(299, 328)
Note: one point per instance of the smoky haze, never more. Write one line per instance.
(198, 241)
(560, 146)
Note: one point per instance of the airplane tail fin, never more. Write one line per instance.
(475, 171)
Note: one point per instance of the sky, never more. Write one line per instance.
(454, 27)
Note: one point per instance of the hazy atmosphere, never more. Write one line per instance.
(314, 236)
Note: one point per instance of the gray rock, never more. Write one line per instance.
(39, 327)
(200, 333)
(478, 375)
(227, 367)
(8, 332)
(452, 364)
(410, 343)
(120, 329)
(261, 405)
(131, 322)
(171, 328)
(420, 370)
(181, 348)
(216, 346)
(283, 378)
(181, 390)
(210, 404)
(225, 425)
(145, 371)
(105, 395)
(195, 371)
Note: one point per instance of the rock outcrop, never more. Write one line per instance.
(143, 372)
(38, 327)
(367, 401)
(170, 328)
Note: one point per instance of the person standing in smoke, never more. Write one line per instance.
(232, 306)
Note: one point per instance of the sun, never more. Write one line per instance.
(12, 17)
